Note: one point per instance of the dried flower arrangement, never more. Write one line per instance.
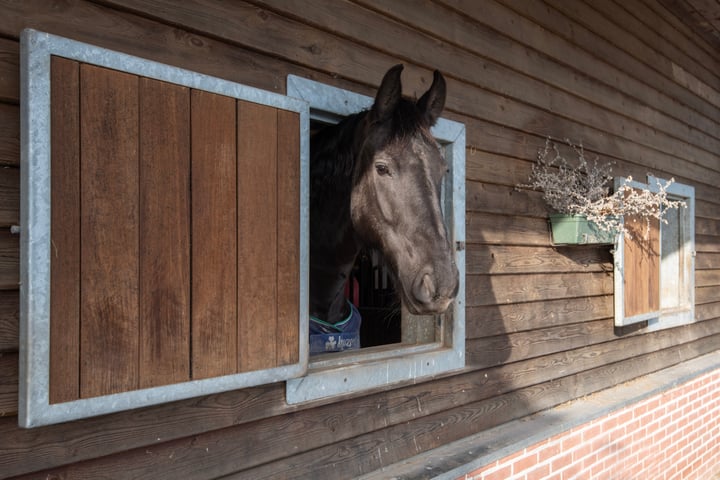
(583, 188)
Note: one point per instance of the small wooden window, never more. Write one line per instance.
(170, 263)
(654, 268)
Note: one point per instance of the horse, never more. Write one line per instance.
(375, 183)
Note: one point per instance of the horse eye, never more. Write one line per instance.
(382, 169)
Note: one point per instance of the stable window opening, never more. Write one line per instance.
(396, 345)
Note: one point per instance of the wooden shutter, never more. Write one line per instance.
(637, 272)
(174, 231)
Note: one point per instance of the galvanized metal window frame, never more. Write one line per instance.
(339, 374)
(685, 281)
(36, 162)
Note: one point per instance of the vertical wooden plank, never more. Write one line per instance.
(642, 267)
(109, 231)
(65, 231)
(257, 236)
(165, 233)
(214, 234)
(288, 247)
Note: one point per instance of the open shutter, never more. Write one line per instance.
(637, 270)
(174, 262)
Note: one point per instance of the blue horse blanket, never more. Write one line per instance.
(343, 335)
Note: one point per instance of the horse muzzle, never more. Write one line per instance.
(432, 292)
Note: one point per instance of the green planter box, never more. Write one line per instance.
(577, 230)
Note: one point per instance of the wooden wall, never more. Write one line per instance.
(626, 77)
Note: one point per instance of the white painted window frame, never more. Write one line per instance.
(339, 374)
(664, 317)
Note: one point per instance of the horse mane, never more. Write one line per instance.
(335, 147)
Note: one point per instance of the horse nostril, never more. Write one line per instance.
(424, 288)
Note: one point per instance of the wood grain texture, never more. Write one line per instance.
(65, 231)
(273, 438)
(9, 66)
(274, 33)
(579, 70)
(214, 233)
(164, 209)
(506, 289)
(9, 135)
(109, 226)
(9, 260)
(9, 382)
(9, 196)
(490, 320)
(507, 259)
(9, 320)
(257, 236)
(641, 264)
(288, 238)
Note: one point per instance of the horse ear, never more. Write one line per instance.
(432, 103)
(388, 95)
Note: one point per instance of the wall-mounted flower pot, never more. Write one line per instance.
(577, 230)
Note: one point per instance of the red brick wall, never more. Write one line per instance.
(670, 436)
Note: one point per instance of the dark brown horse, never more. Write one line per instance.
(375, 182)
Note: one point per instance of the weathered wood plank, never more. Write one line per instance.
(707, 226)
(707, 278)
(505, 230)
(705, 294)
(9, 260)
(257, 236)
(374, 449)
(707, 243)
(483, 39)
(707, 261)
(263, 441)
(65, 231)
(164, 214)
(588, 37)
(9, 68)
(288, 238)
(9, 320)
(677, 13)
(504, 200)
(502, 259)
(9, 135)
(109, 226)
(495, 168)
(8, 384)
(672, 50)
(214, 234)
(492, 320)
(504, 289)
(9, 196)
(707, 311)
(276, 35)
(500, 349)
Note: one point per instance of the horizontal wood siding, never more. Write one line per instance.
(631, 81)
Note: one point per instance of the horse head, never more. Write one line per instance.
(395, 203)
(375, 182)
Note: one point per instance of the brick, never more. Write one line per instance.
(571, 442)
(524, 463)
(540, 472)
(549, 451)
(571, 472)
(503, 473)
(561, 462)
(592, 432)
